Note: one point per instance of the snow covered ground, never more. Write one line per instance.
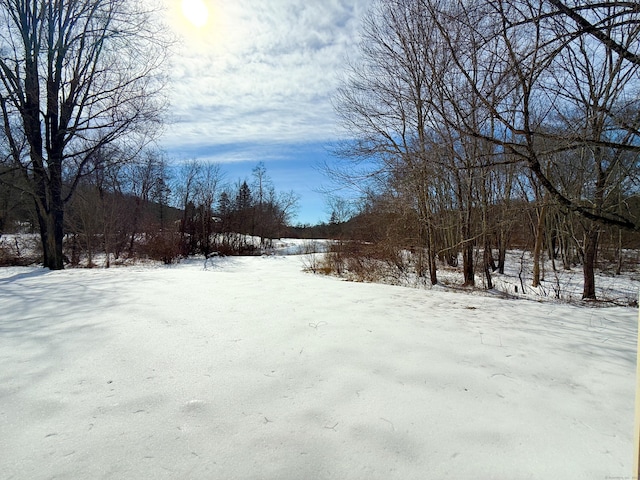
(253, 369)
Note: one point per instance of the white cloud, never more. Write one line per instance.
(261, 71)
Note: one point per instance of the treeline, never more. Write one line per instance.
(147, 209)
(385, 240)
(479, 126)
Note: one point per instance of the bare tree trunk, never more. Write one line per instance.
(487, 260)
(427, 230)
(591, 238)
(619, 253)
(433, 275)
(502, 257)
(537, 249)
(467, 264)
(50, 212)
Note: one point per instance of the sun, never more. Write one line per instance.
(196, 12)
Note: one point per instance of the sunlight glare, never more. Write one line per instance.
(196, 12)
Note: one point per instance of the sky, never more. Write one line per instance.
(252, 81)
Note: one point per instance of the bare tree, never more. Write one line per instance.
(410, 109)
(205, 198)
(528, 53)
(140, 177)
(75, 76)
(184, 191)
(593, 82)
(384, 105)
(604, 21)
(271, 210)
(557, 95)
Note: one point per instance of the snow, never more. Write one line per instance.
(251, 368)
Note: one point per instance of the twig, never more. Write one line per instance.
(318, 325)
(389, 422)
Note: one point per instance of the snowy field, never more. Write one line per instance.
(253, 369)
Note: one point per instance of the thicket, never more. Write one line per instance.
(384, 243)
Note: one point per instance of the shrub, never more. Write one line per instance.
(363, 261)
(164, 247)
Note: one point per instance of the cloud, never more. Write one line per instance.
(261, 72)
